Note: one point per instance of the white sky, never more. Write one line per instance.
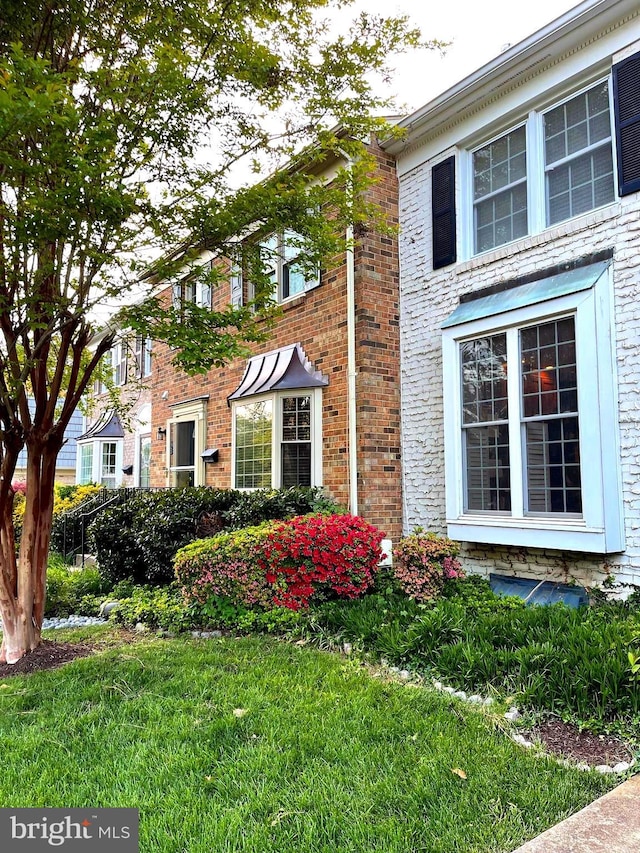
(478, 30)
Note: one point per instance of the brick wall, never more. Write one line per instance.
(318, 320)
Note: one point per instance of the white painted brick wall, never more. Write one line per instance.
(428, 297)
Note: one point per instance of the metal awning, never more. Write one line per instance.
(107, 426)
(278, 370)
(551, 287)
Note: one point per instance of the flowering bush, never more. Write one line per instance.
(227, 565)
(423, 562)
(315, 555)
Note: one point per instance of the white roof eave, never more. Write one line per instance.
(584, 20)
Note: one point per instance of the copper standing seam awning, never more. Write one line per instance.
(278, 370)
(107, 426)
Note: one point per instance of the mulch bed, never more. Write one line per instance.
(567, 741)
(48, 655)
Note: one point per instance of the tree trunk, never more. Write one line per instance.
(23, 576)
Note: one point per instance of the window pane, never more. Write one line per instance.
(253, 445)
(145, 462)
(108, 465)
(296, 465)
(499, 172)
(86, 464)
(487, 469)
(296, 441)
(584, 179)
(553, 466)
(548, 368)
(484, 379)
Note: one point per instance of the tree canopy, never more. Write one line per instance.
(105, 109)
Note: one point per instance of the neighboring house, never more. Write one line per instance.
(520, 304)
(66, 462)
(319, 403)
(114, 450)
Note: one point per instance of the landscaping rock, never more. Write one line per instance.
(604, 768)
(460, 694)
(621, 767)
(512, 714)
(404, 674)
(140, 628)
(475, 699)
(522, 741)
(107, 606)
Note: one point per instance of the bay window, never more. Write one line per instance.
(277, 440)
(530, 425)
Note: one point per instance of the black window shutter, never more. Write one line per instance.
(626, 100)
(443, 212)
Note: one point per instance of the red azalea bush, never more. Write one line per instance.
(227, 565)
(312, 555)
(422, 562)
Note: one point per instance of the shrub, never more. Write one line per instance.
(155, 525)
(252, 508)
(319, 556)
(227, 566)
(139, 538)
(67, 588)
(156, 607)
(423, 562)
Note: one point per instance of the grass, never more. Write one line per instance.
(253, 745)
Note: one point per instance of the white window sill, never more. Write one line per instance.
(561, 535)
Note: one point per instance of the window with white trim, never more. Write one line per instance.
(85, 474)
(531, 425)
(563, 155)
(277, 440)
(119, 363)
(143, 356)
(283, 255)
(100, 461)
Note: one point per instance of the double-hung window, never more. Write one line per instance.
(277, 440)
(578, 158)
(500, 190)
(530, 424)
(283, 259)
(143, 356)
(562, 155)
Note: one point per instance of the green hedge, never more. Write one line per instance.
(138, 539)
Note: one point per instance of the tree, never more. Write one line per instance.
(103, 110)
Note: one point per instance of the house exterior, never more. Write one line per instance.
(66, 462)
(319, 403)
(519, 206)
(115, 449)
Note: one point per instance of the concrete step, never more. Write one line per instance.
(610, 824)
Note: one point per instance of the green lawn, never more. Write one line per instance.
(254, 745)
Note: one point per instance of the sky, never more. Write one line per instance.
(477, 29)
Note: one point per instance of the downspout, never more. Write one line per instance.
(352, 432)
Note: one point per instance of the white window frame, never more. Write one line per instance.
(601, 528)
(536, 173)
(276, 433)
(119, 363)
(189, 410)
(96, 459)
(144, 347)
(279, 260)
